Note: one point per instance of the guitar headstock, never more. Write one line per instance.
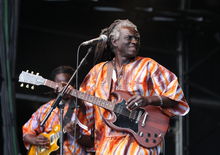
(31, 78)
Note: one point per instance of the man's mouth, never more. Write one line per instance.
(134, 47)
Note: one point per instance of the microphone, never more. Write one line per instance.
(95, 40)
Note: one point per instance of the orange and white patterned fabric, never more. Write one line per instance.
(33, 127)
(143, 76)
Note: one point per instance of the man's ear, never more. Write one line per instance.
(114, 42)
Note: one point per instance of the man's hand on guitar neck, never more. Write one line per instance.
(59, 87)
(38, 140)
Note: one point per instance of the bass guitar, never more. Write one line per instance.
(147, 125)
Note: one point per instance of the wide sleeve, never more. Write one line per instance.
(165, 83)
(32, 126)
(89, 86)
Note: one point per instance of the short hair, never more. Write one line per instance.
(62, 69)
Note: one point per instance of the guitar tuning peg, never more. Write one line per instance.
(37, 73)
(22, 85)
(32, 87)
(32, 72)
(27, 86)
(27, 71)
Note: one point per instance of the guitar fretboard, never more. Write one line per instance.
(86, 97)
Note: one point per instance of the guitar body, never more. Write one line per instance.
(53, 136)
(147, 125)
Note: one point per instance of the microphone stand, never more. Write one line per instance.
(60, 105)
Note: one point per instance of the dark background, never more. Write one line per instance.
(50, 32)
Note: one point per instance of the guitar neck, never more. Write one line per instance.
(86, 97)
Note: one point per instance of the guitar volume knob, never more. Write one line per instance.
(147, 140)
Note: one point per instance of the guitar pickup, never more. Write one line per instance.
(144, 119)
(138, 117)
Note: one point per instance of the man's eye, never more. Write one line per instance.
(137, 38)
(132, 37)
(128, 38)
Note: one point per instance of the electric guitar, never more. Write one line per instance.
(147, 125)
(53, 136)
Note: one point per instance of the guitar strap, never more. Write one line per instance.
(69, 113)
(109, 81)
(109, 76)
